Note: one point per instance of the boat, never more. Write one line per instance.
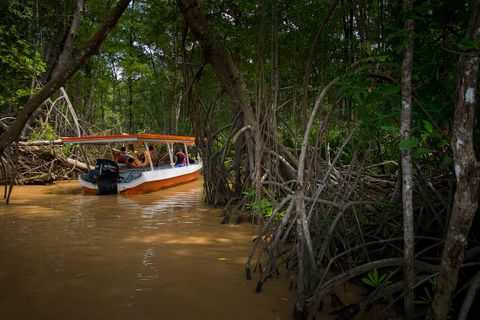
(110, 177)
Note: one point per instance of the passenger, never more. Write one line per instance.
(137, 157)
(131, 163)
(180, 158)
(122, 156)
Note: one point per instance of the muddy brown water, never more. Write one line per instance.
(162, 255)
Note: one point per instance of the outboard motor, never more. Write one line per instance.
(106, 176)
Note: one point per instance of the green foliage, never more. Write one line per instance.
(428, 292)
(376, 281)
(44, 132)
(19, 64)
(408, 144)
(428, 141)
(264, 206)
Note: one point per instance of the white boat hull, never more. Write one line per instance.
(135, 181)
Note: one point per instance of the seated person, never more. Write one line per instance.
(180, 158)
(122, 156)
(131, 163)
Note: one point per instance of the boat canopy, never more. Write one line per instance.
(140, 137)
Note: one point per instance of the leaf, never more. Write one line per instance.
(389, 128)
(466, 45)
(409, 143)
(284, 299)
(447, 160)
(249, 192)
(427, 294)
(400, 48)
(428, 126)
(367, 46)
(375, 275)
(223, 259)
(420, 152)
(442, 143)
(422, 300)
(382, 58)
(367, 281)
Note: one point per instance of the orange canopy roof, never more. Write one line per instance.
(140, 137)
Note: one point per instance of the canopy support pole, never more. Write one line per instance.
(186, 154)
(148, 155)
(170, 154)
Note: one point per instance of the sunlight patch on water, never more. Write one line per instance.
(32, 211)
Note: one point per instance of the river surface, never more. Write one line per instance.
(162, 255)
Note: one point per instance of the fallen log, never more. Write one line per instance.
(42, 178)
(75, 163)
(33, 147)
(38, 143)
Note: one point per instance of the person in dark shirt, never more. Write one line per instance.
(122, 156)
(180, 158)
(131, 163)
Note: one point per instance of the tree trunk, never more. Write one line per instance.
(226, 71)
(466, 195)
(175, 102)
(308, 66)
(360, 21)
(303, 231)
(88, 102)
(217, 56)
(67, 48)
(224, 68)
(130, 78)
(407, 181)
(14, 129)
(257, 174)
(130, 105)
(53, 45)
(64, 55)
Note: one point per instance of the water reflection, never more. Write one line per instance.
(163, 255)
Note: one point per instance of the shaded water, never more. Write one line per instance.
(162, 255)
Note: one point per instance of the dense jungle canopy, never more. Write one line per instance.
(347, 130)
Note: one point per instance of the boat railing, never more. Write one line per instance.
(130, 174)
